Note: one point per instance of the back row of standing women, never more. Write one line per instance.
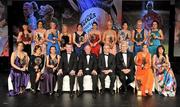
(96, 39)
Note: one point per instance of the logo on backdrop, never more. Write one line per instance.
(94, 14)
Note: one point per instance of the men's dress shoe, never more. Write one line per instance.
(102, 92)
(59, 94)
(94, 95)
(112, 92)
(79, 94)
(71, 95)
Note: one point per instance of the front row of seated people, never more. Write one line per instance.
(44, 73)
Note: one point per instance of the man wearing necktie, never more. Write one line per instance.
(125, 66)
(87, 66)
(106, 64)
(68, 66)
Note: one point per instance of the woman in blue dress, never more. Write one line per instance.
(52, 38)
(19, 77)
(155, 37)
(138, 37)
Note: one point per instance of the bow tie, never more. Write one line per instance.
(106, 55)
(124, 52)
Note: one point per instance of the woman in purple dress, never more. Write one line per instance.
(18, 78)
(52, 62)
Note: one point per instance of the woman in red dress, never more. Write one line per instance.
(94, 39)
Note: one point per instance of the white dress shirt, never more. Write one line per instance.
(87, 58)
(125, 58)
(106, 60)
(68, 57)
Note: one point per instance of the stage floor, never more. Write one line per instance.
(106, 100)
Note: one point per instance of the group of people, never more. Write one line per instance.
(132, 56)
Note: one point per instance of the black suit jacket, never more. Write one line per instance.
(111, 62)
(67, 67)
(120, 61)
(83, 63)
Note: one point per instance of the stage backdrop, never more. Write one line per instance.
(177, 29)
(69, 12)
(137, 9)
(4, 48)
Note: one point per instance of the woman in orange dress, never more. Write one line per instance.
(144, 73)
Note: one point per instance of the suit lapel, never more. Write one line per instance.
(128, 59)
(109, 60)
(104, 62)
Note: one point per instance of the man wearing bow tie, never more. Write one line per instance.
(68, 66)
(125, 66)
(87, 66)
(106, 64)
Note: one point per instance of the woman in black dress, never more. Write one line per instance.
(52, 62)
(65, 37)
(35, 67)
(79, 40)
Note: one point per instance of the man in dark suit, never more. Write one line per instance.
(87, 66)
(106, 64)
(125, 66)
(68, 66)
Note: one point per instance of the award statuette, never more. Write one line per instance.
(143, 62)
(139, 84)
(37, 62)
(111, 41)
(81, 39)
(38, 37)
(152, 36)
(92, 38)
(138, 36)
(23, 61)
(53, 37)
(27, 37)
(63, 43)
(123, 36)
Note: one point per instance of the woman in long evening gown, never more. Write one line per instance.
(138, 37)
(155, 37)
(39, 36)
(94, 39)
(52, 38)
(52, 63)
(165, 80)
(18, 78)
(65, 37)
(144, 74)
(110, 38)
(36, 66)
(26, 37)
(79, 40)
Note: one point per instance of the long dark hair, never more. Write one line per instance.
(157, 52)
(21, 28)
